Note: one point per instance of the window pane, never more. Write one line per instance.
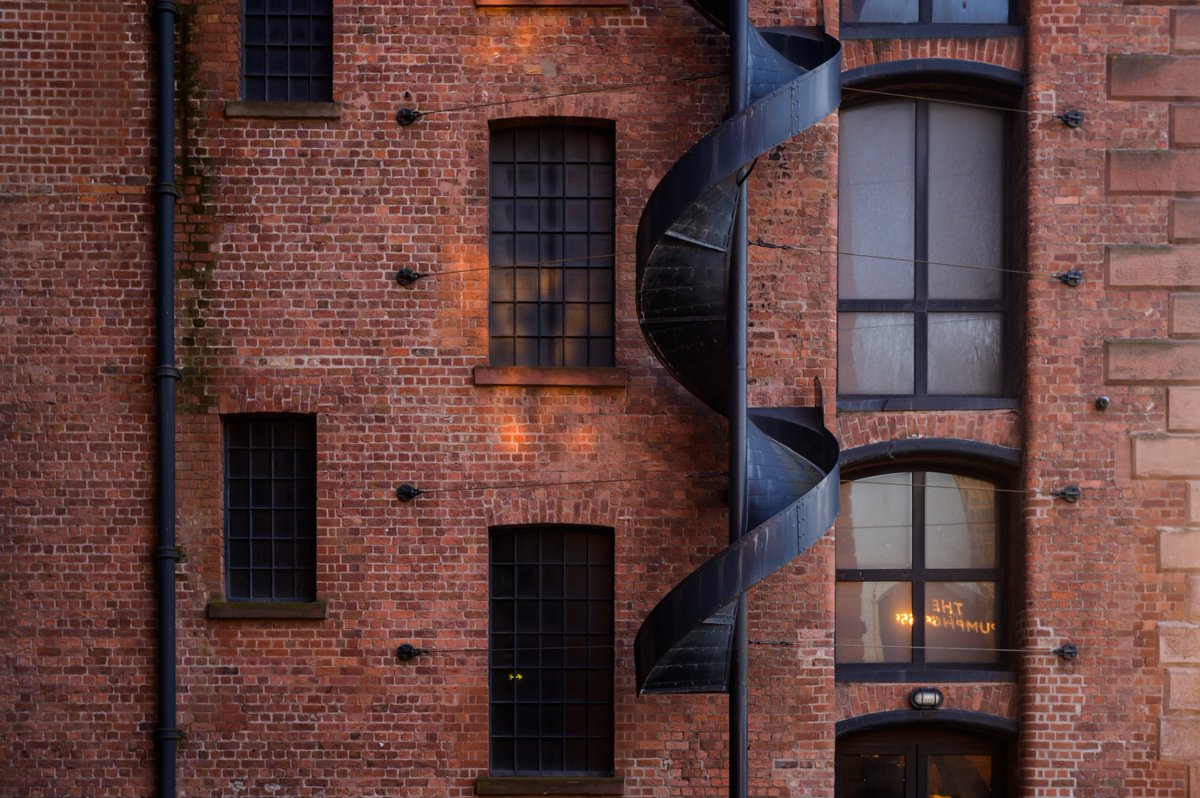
(880, 10)
(875, 204)
(966, 201)
(974, 11)
(960, 522)
(871, 776)
(875, 353)
(964, 353)
(874, 528)
(874, 622)
(960, 621)
(960, 775)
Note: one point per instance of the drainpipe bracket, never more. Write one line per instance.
(170, 372)
(169, 188)
(166, 5)
(170, 734)
(175, 553)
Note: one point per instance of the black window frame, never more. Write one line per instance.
(1007, 562)
(552, 262)
(261, 20)
(926, 27)
(243, 547)
(923, 93)
(533, 662)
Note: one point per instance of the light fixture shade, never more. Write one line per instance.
(925, 698)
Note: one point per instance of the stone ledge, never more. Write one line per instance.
(605, 377)
(268, 610)
(1152, 266)
(1153, 77)
(1178, 549)
(549, 785)
(1179, 738)
(282, 110)
(1178, 643)
(1159, 456)
(1152, 172)
(1147, 361)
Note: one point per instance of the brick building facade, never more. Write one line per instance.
(314, 384)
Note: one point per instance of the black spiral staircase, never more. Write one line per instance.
(685, 242)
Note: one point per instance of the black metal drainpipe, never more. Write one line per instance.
(739, 59)
(166, 553)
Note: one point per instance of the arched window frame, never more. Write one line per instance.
(927, 81)
(995, 464)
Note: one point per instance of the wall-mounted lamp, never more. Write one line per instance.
(1102, 402)
(926, 698)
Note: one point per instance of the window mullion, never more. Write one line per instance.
(921, 247)
(918, 564)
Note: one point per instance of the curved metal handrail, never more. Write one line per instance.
(683, 242)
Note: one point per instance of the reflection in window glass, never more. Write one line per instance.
(960, 775)
(871, 775)
(960, 622)
(874, 527)
(874, 622)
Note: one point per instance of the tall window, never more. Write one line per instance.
(915, 763)
(287, 50)
(551, 246)
(551, 650)
(919, 578)
(922, 298)
(270, 508)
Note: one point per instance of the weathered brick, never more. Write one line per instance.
(1185, 125)
(1153, 267)
(1183, 409)
(1179, 549)
(1153, 171)
(1151, 77)
(1185, 315)
(1152, 361)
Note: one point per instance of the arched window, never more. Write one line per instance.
(924, 230)
(924, 546)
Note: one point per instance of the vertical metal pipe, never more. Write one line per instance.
(165, 373)
(739, 62)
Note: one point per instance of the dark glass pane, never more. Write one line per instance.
(526, 318)
(575, 180)
(960, 622)
(874, 527)
(261, 524)
(575, 616)
(875, 353)
(239, 553)
(504, 214)
(600, 286)
(526, 719)
(527, 217)
(501, 319)
(964, 353)
(285, 492)
(552, 180)
(576, 215)
(322, 30)
(527, 617)
(552, 582)
(575, 755)
(502, 582)
(261, 553)
(525, 284)
(960, 522)
(550, 352)
(502, 548)
(503, 755)
(876, 185)
(527, 180)
(550, 320)
(306, 554)
(260, 463)
(576, 581)
(260, 493)
(960, 775)
(600, 319)
(527, 754)
(527, 145)
(977, 12)
(502, 615)
(261, 583)
(503, 717)
(502, 146)
(239, 583)
(239, 493)
(276, 87)
(526, 352)
(552, 144)
(873, 622)
(600, 180)
(871, 776)
(284, 554)
(552, 691)
(575, 142)
(285, 584)
(527, 547)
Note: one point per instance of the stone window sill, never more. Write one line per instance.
(268, 610)
(551, 3)
(550, 785)
(283, 110)
(614, 377)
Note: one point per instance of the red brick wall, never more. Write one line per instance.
(290, 233)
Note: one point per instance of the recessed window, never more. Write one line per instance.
(287, 50)
(922, 294)
(919, 578)
(550, 643)
(920, 762)
(915, 12)
(270, 508)
(551, 246)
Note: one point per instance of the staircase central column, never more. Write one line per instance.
(739, 24)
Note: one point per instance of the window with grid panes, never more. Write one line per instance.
(918, 13)
(923, 241)
(551, 650)
(551, 224)
(287, 50)
(919, 578)
(270, 508)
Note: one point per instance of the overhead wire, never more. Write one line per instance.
(479, 650)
